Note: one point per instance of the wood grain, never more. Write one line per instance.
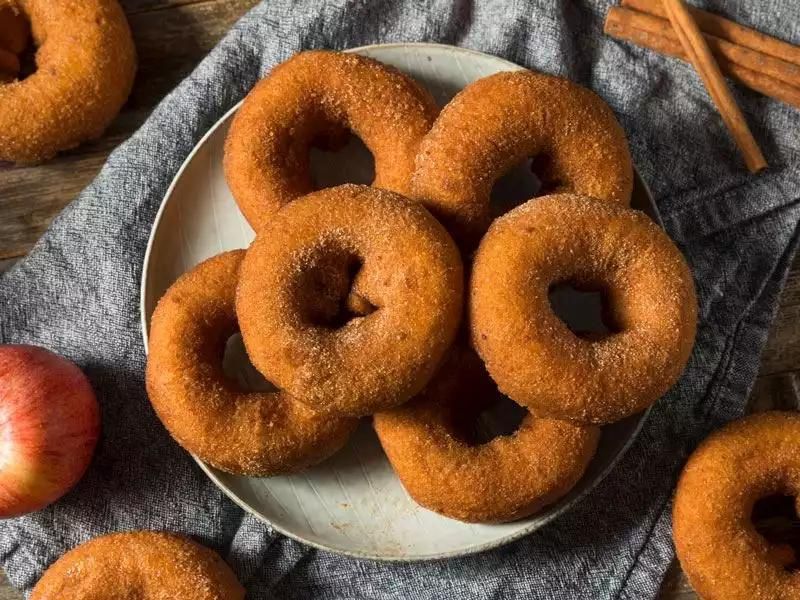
(171, 37)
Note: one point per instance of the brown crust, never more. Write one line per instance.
(267, 148)
(552, 371)
(145, 565)
(248, 433)
(81, 81)
(508, 478)
(722, 554)
(295, 277)
(498, 121)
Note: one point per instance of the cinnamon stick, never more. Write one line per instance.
(727, 30)
(620, 26)
(699, 54)
(722, 49)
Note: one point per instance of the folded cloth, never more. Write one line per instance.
(78, 294)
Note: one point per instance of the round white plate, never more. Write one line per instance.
(352, 503)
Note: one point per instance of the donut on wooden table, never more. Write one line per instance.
(319, 93)
(85, 65)
(497, 122)
(296, 310)
(248, 433)
(720, 550)
(146, 565)
(507, 478)
(533, 355)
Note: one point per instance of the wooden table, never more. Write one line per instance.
(171, 37)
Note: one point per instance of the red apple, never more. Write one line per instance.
(49, 425)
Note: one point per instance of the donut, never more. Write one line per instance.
(498, 121)
(292, 300)
(145, 565)
(722, 554)
(510, 477)
(266, 155)
(85, 65)
(247, 433)
(531, 353)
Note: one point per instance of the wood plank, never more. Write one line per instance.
(6, 591)
(675, 586)
(171, 38)
(5, 265)
(137, 6)
(782, 351)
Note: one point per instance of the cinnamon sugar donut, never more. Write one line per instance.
(509, 477)
(722, 554)
(145, 565)
(85, 64)
(248, 433)
(533, 356)
(292, 299)
(498, 121)
(267, 148)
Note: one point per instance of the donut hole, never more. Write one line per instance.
(584, 308)
(544, 168)
(17, 50)
(491, 416)
(237, 367)
(337, 157)
(325, 289)
(515, 187)
(775, 518)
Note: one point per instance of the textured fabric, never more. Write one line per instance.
(77, 293)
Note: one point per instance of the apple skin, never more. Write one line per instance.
(49, 426)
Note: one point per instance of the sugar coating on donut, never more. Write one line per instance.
(145, 565)
(498, 121)
(85, 65)
(508, 478)
(394, 255)
(314, 94)
(208, 414)
(533, 355)
(722, 554)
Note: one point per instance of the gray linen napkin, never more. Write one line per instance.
(77, 293)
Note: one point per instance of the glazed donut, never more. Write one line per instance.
(248, 433)
(295, 280)
(267, 149)
(722, 554)
(145, 565)
(498, 121)
(85, 64)
(565, 238)
(507, 478)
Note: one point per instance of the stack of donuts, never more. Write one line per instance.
(406, 301)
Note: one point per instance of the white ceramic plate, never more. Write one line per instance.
(352, 503)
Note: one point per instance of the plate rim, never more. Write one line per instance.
(208, 470)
